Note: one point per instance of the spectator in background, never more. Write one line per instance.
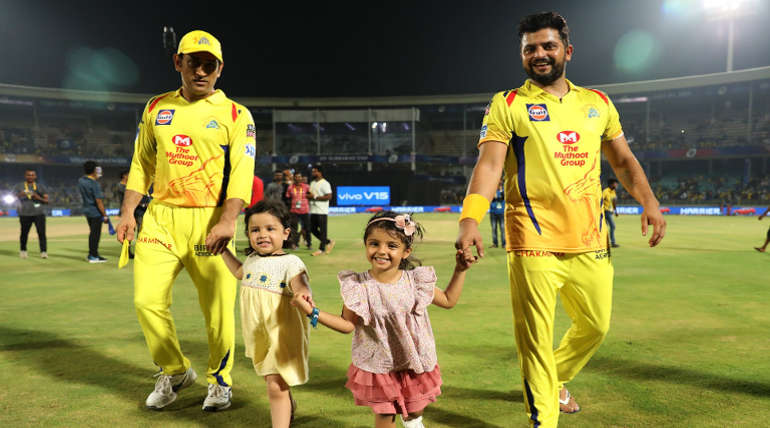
(274, 188)
(257, 191)
(93, 208)
(609, 202)
(767, 238)
(32, 196)
(120, 188)
(288, 179)
(300, 209)
(319, 196)
(497, 215)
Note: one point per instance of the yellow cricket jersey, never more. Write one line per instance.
(552, 187)
(608, 195)
(195, 154)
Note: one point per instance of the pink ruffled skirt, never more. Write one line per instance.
(395, 392)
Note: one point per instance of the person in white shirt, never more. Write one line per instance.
(320, 194)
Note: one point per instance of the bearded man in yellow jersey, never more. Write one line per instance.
(196, 147)
(548, 136)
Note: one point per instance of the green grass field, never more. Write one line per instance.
(688, 345)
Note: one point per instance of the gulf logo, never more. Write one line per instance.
(182, 140)
(568, 137)
(164, 117)
(538, 113)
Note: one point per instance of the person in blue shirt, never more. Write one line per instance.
(93, 208)
(496, 215)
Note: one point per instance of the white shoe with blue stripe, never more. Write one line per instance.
(167, 386)
(218, 398)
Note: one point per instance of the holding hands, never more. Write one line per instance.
(469, 236)
(304, 302)
(461, 264)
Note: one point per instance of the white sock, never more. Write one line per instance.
(414, 423)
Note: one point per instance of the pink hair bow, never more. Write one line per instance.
(405, 223)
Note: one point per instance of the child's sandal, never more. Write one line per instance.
(568, 405)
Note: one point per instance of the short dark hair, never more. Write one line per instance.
(89, 167)
(538, 21)
(611, 181)
(319, 168)
(123, 173)
(274, 207)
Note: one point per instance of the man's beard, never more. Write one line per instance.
(557, 70)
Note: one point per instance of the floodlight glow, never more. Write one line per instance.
(631, 100)
(727, 7)
(374, 125)
(9, 199)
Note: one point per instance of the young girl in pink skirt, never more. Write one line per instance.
(394, 369)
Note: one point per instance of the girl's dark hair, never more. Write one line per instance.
(390, 227)
(538, 21)
(273, 207)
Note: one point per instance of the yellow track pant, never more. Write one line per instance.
(584, 282)
(173, 238)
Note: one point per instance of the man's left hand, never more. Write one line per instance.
(219, 236)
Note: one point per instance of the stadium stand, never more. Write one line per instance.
(702, 139)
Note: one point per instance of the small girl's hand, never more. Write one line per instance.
(309, 299)
(303, 302)
(461, 265)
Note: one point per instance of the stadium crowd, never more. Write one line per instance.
(703, 189)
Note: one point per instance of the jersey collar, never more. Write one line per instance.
(529, 89)
(218, 97)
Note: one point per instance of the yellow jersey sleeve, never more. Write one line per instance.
(613, 129)
(142, 171)
(243, 151)
(498, 123)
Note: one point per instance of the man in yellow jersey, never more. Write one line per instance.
(610, 206)
(548, 136)
(196, 147)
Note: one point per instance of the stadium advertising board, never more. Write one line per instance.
(368, 209)
(363, 195)
(695, 210)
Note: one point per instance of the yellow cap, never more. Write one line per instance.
(200, 41)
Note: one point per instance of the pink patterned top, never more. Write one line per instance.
(394, 331)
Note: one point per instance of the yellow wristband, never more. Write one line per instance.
(474, 206)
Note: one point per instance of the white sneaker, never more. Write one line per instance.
(166, 388)
(218, 398)
(414, 423)
(23, 254)
(43, 255)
